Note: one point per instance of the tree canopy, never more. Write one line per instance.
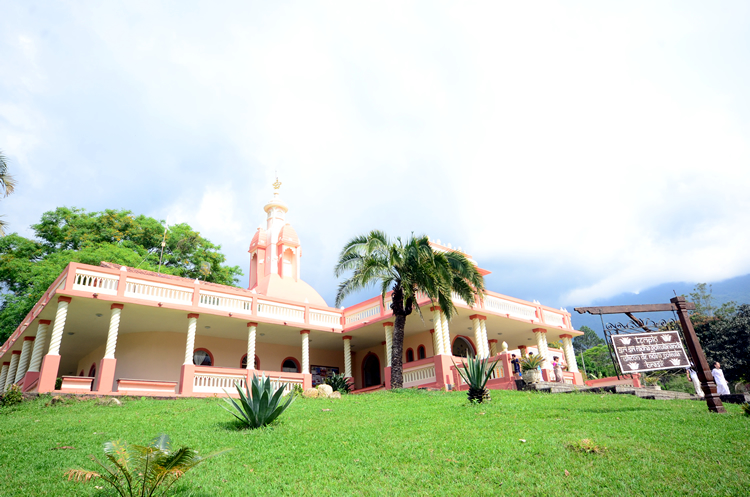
(7, 185)
(407, 269)
(727, 340)
(587, 340)
(29, 266)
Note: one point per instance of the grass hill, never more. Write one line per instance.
(399, 443)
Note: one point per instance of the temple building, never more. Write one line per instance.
(117, 330)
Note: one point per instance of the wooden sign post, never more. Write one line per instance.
(680, 306)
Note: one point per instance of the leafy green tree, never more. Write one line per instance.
(407, 269)
(705, 307)
(29, 266)
(598, 361)
(727, 340)
(587, 340)
(7, 185)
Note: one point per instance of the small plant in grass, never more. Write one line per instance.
(12, 397)
(746, 408)
(587, 446)
(260, 404)
(476, 372)
(531, 362)
(339, 383)
(142, 470)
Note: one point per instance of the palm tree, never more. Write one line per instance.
(7, 185)
(407, 269)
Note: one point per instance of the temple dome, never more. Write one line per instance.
(288, 236)
(260, 239)
(273, 285)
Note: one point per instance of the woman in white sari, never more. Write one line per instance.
(721, 384)
(693, 376)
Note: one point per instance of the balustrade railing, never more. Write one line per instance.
(148, 290)
(223, 302)
(514, 309)
(282, 312)
(553, 318)
(421, 375)
(94, 282)
(325, 318)
(217, 383)
(364, 314)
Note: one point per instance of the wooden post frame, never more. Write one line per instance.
(680, 306)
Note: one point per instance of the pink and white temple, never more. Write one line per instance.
(112, 330)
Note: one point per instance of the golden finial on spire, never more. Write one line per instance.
(277, 184)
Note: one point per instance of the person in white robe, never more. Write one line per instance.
(693, 376)
(722, 388)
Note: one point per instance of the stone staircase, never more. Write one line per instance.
(642, 392)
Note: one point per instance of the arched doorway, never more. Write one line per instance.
(462, 347)
(290, 365)
(370, 371)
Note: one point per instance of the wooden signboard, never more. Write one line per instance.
(637, 352)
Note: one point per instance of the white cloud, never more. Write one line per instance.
(589, 139)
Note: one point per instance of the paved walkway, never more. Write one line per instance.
(642, 392)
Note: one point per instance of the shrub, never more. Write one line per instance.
(476, 372)
(531, 362)
(13, 396)
(259, 407)
(339, 383)
(139, 470)
(746, 408)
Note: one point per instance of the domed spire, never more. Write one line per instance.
(276, 201)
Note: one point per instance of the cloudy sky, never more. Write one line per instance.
(578, 150)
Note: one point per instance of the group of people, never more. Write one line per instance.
(556, 367)
(722, 388)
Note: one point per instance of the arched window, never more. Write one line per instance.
(202, 357)
(421, 353)
(409, 355)
(92, 370)
(243, 362)
(462, 347)
(290, 365)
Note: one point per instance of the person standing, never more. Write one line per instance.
(557, 367)
(693, 376)
(722, 388)
(516, 365)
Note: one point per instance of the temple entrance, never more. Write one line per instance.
(371, 371)
(462, 348)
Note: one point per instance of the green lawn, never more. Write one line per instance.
(399, 443)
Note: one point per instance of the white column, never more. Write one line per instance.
(478, 336)
(252, 331)
(435, 342)
(541, 345)
(388, 343)
(446, 334)
(485, 341)
(23, 362)
(3, 376)
(38, 352)
(439, 339)
(348, 357)
(570, 356)
(190, 342)
(305, 351)
(12, 370)
(114, 327)
(59, 326)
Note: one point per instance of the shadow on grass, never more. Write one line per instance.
(605, 410)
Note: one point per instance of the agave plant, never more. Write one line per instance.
(476, 372)
(142, 470)
(261, 406)
(531, 362)
(339, 383)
